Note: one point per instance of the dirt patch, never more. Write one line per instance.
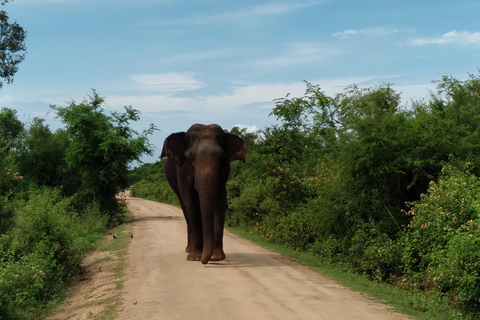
(96, 294)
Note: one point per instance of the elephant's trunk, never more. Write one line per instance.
(206, 184)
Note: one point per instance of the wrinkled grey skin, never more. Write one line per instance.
(197, 169)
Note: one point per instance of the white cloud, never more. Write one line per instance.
(299, 53)
(199, 56)
(6, 99)
(414, 91)
(267, 10)
(151, 103)
(214, 103)
(378, 31)
(243, 13)
(167, 82)
(250, 128)
(454, 37)
(260, 95)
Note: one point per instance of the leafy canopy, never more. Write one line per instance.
(101, 147)
(12, 46)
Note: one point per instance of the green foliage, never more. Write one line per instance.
(147, 171)
(149, 182)
(40, 156)
(373, 253)
(9, 180)
(338, 174)
(43, 249)
(100, 149)
(57, 193)
(251, 206)
(12, 46)
(443, 238)
(10, 129)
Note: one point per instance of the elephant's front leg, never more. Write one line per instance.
(194, 227)
(218, 253)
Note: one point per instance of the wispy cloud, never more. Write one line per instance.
(259, 94)
(240, 95)
(168, 82)
(268, 9)
(377, 31)
(453, 37)
(297, 54)
(199, 55)
(244, 13)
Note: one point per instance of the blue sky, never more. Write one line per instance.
(211, 61)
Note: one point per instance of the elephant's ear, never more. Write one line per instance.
(235, 148)
(174, 147)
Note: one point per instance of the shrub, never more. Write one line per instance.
(23, 281)
(442, 248)
(155, 190)
(329, 249)
(43, 249)
(251, 206)
(373, 253)
(299, 228)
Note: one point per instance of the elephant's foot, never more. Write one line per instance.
(194, 256)
(218, 255)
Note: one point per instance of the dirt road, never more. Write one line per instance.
(252, 283)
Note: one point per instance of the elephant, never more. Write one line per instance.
(197, 168)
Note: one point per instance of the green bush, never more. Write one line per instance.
(45, 233)
(442, 248)
(373, 253)
(23, 281)
(44, 247)
(251, 206)
(154, 190)
(330, 249)
(299, 228)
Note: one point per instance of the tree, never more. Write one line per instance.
(100, 149)
(12, 46)
(40, 156)
(10, 128)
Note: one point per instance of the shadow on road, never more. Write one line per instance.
(239, 260)
(155, 218)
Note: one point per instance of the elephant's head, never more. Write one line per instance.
(204, 154)
(203, 142)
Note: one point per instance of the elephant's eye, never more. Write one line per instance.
(189, 155)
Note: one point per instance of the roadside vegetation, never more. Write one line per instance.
(359, 180)
(57, 197)
(97, 292)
